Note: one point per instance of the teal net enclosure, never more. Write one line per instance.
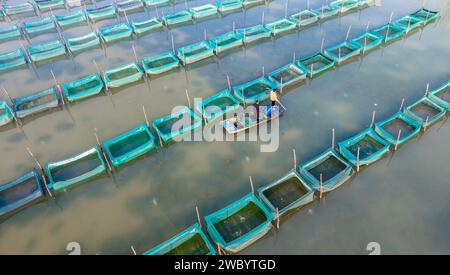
(6, 116)
(286, 193)
(441, 96)
(83, 43)
(327, 171)
(286, 76)
(10, 32)
(43, 25)
(229, 6)
(203, 11)
(36, 103)
(388, 32)
(281, 26)
(250, 3)
(345, 5)
(180, 17)
(226, 41)
(161, 63)
(425, 15)
(156, 3)
(67, 173)
(195, 52)
(82, 88)
(398, 128)
(129, 6)
(146, 26)
(176, 124)
(408, 22)
(316, 64)
(123, 75)
(367, 41)
(16, 9)
(217, 105)
(191, 241)
(46, 50)
(129, 145)
(253, 34)
(326, 11)
(47, 5)
(12, 60)
(305, 18)
(102, 13)
(425, 111)
(343, 51)
(116, 32)
(255, 90)
(371, 148)
(239, 224)
(71, 19)
(247, 120)
(20, 192)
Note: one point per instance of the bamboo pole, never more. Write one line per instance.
(348, 32)
(281, 86)
(145, 116)
(321, 186)
(263, 18)
(401, 104)
(322, 43)
(58, 87)
(42, 170)
(295, 159)
(398, 139)
(133, 250)
(205, 35)
(173, 45)
(278, 219)
(11, 111)
(425, 124)
(251, 184)
(229, 83)
(293, 58)
(373, 119)
(427, 89)
(263, 71)
(135, 54)
(198, 216)
(357, 159)
(332, 138)
(188, 98)
(312, 70)
(102, 151)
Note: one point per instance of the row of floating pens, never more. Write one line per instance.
(101, 80)
(105, 155)
(47, 51)
(309, 177)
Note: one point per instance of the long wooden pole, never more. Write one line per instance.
(398, 139)
(42, 170)
(295, 158)
(251, 184)
(103, 152)
(188, 98)
(145, 116)
(134, 251)
(332, 138)
(58, 87)
(373, 119)
(198, 216)
(357, 159)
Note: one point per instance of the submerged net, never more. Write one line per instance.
(128, 144)
(222, 103)
(368, 146)
(286, 75)
(76, 168)
(285, 193)
(256, 89)
(424, 110)
(444, 94)
(123, 73)
(317, 63)
(328, 168)
(394, 126)
(195, 245)
(195, 51)
(241, 222)
(183, 120)
(342, 51)
(160, 62)
(19, 191)
(74, 90)
(35, 102)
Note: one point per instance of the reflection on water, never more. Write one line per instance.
(393, 202)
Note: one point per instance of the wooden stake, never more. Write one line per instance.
(229, 83)
(295, 159)
(348, 32)
(357, 159)
(251, 184)
(332, 138)
(102, 151)
(263, 71)
(312, 70)
(58, 87)
(205, 35)
(401, 104)
(145, 116)
(218, 249)
(321, 44)
(134, 251)
(373, 119)
(135, 54)
(426, 90)
(281, 86)
(293, 58)
(173, 45)
(42, 170)
(198, 216)
(425, 124)
(398, 139)
(189, 100)
(262, 19)
(321, 186)
(278, 219)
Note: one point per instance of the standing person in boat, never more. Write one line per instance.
(256, 105)
(273, 97)
(234, 120)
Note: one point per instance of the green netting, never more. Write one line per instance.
(408, 22)
(226, 6)
(141, 27)
(71, 19)
(10, 32)
(425, 111)
(286, 76)
(15, 9)
(116, 32)
(123, 75)
(82, 43)
(176, 124)
(20, 192)
(195, 52)
(156, 3)
(305, 18)
(371, 148)
(255, 90)
(6, 115)
(425, 15)
(281, 26)
(203, 11)
(45, 5)
(226, 41)
(45, 24)
(161, 63)
(177, 18)
(129, 6)
(249, 3)
(217, 105)
(82, 88)
(47, 50)
(191, 241)
(441, 96)
(327, 171)
(239, 224)
(345, 5)
(343, 51)
(255, 33)
(12, 60)
(129, 145)
(315, 64)
(367, 41)
(98, 14)
(326, 11)
(388, 32)
(286, 193)
(36, 103)
(399, 123)
(75, 170)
